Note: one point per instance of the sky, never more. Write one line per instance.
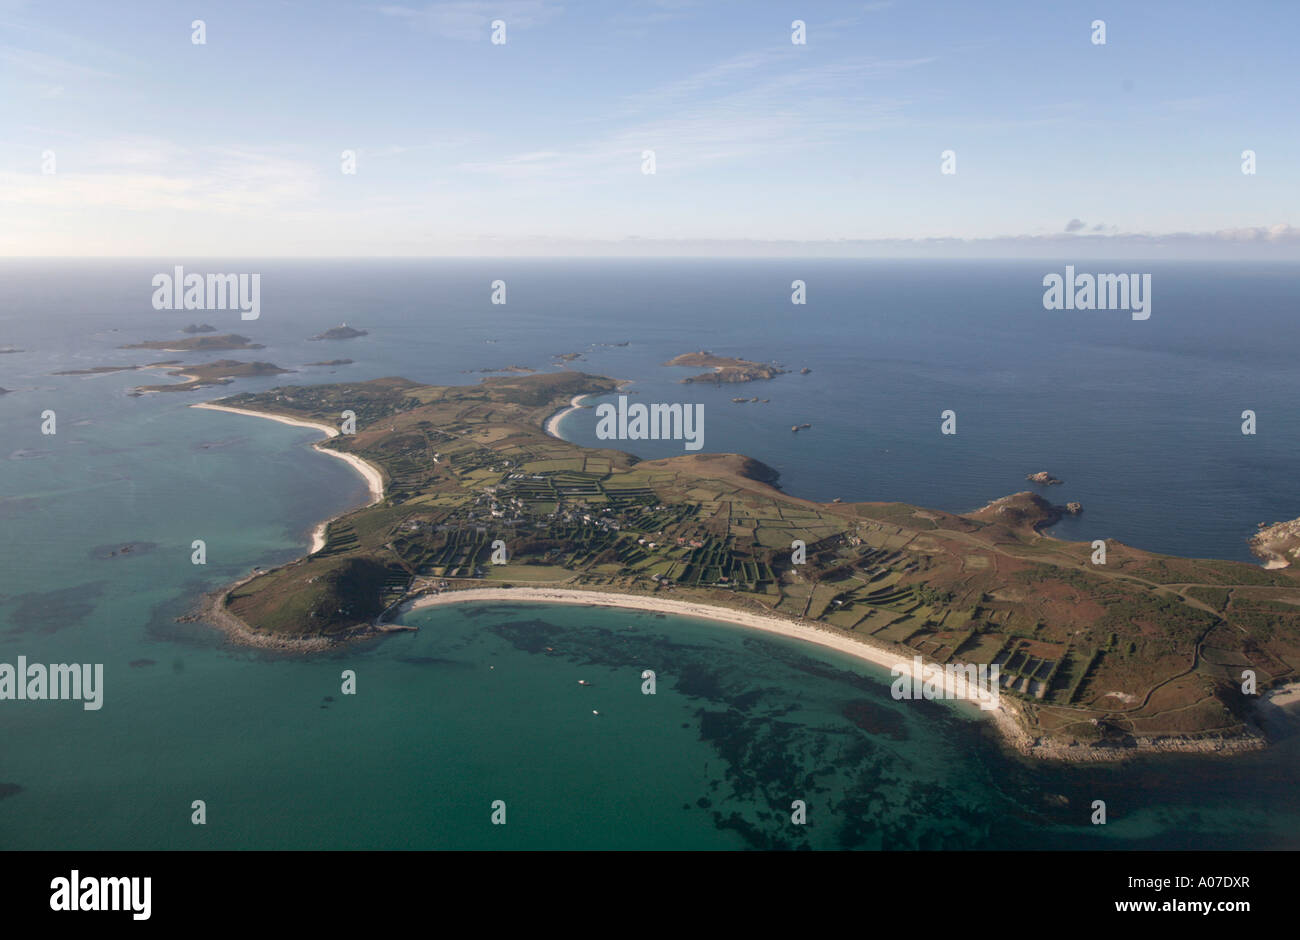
(122, 136)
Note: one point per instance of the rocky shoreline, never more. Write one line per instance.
(1277, 545)
(213, 611)
(1046, 749)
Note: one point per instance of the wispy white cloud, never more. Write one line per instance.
(471, 20)
(139, 175)
(735, 110)
(636, 18)
(132, 151)
(397, 150)
(723, 73)
(42, 65)
(1279, 233)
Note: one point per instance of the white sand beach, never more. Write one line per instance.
(662, 605)
(808, 633)
(283, 419)
(553, 422)
(371, 473)
(1285, 696)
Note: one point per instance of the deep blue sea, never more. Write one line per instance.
(1141, 419)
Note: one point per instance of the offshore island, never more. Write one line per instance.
(1098, 661)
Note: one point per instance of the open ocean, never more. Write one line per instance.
(1142, 419)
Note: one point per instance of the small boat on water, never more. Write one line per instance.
(594, 712)
(583, 682)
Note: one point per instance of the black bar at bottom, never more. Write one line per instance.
(657, 890)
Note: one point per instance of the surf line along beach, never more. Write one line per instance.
(373, 476)
(1002, 713)
(553, 422)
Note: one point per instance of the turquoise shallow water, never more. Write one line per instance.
(473, 708)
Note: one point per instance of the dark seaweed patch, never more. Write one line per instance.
(51, 611)
(875, 719)
(122, 550)
(859, 790)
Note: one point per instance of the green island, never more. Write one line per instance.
(725, 368)
(221, 372)
(1143, 652)
(201, 343)
(200, 375)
